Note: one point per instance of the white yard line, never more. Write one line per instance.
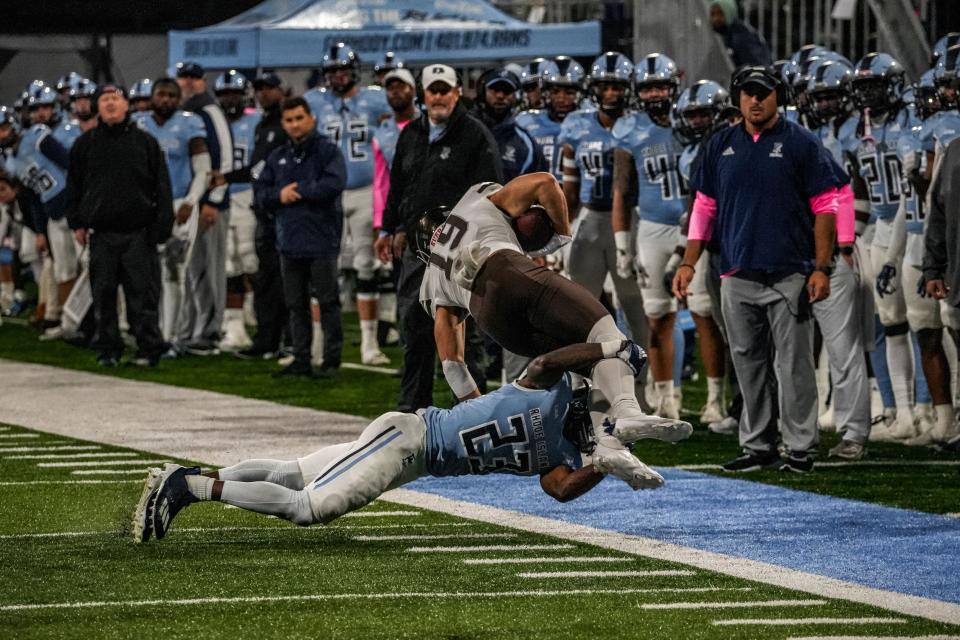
(4, 428)
(19, 436)
(744, 568)
(85, 447)
(827, 465)
(547, 560)
(443, 536)
(438, 595)
(492, 547)
(791, 622)
(745, 604)
(68, 456)
(29, 482)
(108, 472)
(603, 574)
(875, 638)
(101, 463)
(380, 514)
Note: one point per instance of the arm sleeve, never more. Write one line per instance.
(825, 202)
(55, 151)
(75, 176)
(381, 184)
(846, 218)
(702, 218)
(200, 164)
(330, 179)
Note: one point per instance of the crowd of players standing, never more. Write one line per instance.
(620, 137)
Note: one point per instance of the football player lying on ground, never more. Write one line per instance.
(477, 265)
(536, 426)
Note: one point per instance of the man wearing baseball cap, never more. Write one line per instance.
(437, 159)
(119, 199)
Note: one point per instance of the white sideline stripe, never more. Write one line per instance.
(380, 514)
(492, 547)
(19, 435)
(73, 534)
(327, 596)
(746, 604)
(753, 570)
(952, 515)
(859, 463)
(91, 447)
(875, 638)
(603, 574)
(798, 621)
(441, 536)
(67, 456)
(108, 472)
(546, 560)
(4, 428)
(29, 482)
(100, 463)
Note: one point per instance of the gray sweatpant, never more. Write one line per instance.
(205, 286)
(757, 312)
(840, 320)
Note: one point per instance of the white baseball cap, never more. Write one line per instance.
(439, 73)
(403, 75)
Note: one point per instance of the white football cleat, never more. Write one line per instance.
(712, 412)
(376, 358)
(622, 464)
(142, 523)
(905, 426)
(636, 425)
(726, 427)
(667, 408)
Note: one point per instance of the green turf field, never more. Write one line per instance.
(917, 478)
(68, 569)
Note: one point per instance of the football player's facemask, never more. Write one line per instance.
(426, 233)
(656, 98)
(610, 97)
(232, 102)
(871, 94)
(577, 427)
(340, 65)
(8, 133)
(561, 100)
(827, 104)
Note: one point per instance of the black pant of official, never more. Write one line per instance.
(128, 260)
(301, 276)
(268, 302)
(419, 344)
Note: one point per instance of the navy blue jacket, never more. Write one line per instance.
(310, 227)
(745, 45)
(763, 191)
(520, 154)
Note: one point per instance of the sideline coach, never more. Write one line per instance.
(769, 194)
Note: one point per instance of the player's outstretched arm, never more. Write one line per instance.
(449, 332)
(564, 484)
(545, 370)
(518, 195)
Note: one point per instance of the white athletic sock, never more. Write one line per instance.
(715, 390)
(946, 421)
(615, 380)
(368, 336)
(387, 308)
(664, 389)
(6, 295)
(171, 309)
(271, 499)
(200, 486)
(283, 472)
(900, 363)
(316, 345)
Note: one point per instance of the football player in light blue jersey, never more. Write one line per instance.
(349, 114)
(232, 91)
(947, 123)
(699, 110)
(905, 253)
(182, 137)
(588, 145)
(877, 88)
(82, 118)
(649, 149)
(562, 80)
(537, 426)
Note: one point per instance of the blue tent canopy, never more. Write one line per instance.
(296, 33)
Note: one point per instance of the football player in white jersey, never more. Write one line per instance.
(477, 266)
(537, 426)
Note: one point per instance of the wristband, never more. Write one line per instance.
(459, 378)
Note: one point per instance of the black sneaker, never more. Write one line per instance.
(295, 369)
(201, 349)
(753, 462)
(798, 463)
(172, 495)
(254, 354)
(108, 361)
(327, 372)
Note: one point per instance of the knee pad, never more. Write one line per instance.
(896, 329)
(605, 329)
(235, 285)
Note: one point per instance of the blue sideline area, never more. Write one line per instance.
(875, 546)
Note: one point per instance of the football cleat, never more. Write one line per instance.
(637, 425)
(142, 524)
(712, 412)
(172, 495)
(622, 464)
